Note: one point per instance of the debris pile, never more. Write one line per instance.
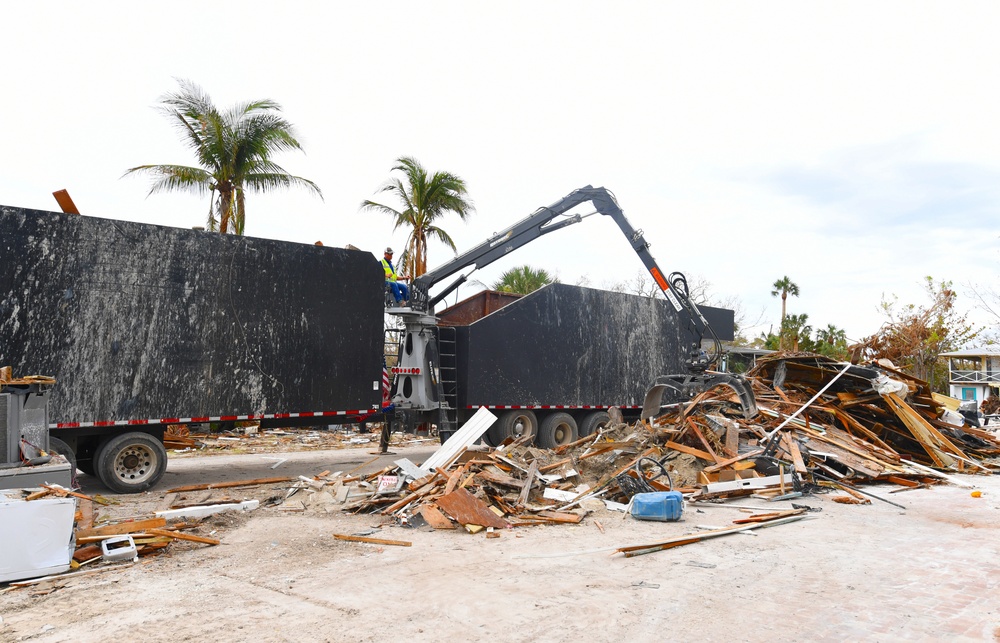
(822, 426)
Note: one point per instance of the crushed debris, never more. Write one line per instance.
(823, 427)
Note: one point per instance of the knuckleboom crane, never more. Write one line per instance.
(421, 397)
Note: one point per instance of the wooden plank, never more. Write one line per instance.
(65, 202)
(455, 478)
(226, 485)
(419, 482)
(86, 553)
(639, 550)
(591, 454)
(500, 479)
(555, 465)
(774, 515)
(733, 439)
(373, 541)
(903, 482)
(566, 447)
(63, 491)
(87, 517)
(435, 518)
(792, 446)
(725, 463)
(469, 510)
(522, 499)
(179, 535)
(698, 453)
(704, 442)
(119, 528)
(560, 516)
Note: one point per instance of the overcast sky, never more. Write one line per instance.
(852, 146)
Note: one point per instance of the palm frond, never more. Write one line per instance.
(173, 178)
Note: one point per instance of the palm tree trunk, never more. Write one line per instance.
(781, 332)
(239, 219)
(225, 209)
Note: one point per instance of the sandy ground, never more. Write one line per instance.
(874, 572)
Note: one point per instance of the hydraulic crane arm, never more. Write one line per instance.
(542, 222)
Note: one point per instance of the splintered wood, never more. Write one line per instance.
(821, 425)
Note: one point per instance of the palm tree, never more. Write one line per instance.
(424, 201)
(234, 150)
(795, 330)
(784, 287)
(523, 280)
(831, 335)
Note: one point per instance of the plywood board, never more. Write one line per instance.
(469, 510)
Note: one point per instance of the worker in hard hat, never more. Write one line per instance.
(400, 291)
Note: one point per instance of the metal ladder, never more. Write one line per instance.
(448, 386)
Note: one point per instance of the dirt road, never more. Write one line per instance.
(873, 573)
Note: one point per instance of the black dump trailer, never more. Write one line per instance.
(554, 361)
(145, 326)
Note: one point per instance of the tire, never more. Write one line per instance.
(593, 421)
(87, 454)
(512, 424)
(131, 462)
(58, 446)
(556, 430)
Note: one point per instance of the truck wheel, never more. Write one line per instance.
(512, 424)
(131, 462)
(593, 421)
(557, 429)
(58, 446)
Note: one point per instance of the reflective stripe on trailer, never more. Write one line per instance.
(219, 418)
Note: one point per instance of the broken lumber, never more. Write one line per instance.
(373, 541)
(178, 535)
(120, 528)
(226, 485)
(639, 550)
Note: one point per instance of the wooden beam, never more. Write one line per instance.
(792, 446)
(225, 485)
(704, 442)
(732, 439)
(65, 202)
(698, 453)
(526, 487)
(373, 541)
(726, 463)
(119, 528)
(182, 536)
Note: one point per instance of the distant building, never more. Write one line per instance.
(974, 374)
(740, 359)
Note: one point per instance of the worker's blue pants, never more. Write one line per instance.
(399, 290)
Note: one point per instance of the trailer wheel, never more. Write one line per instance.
(131, 462)
(58, 446)
(556, 430)
(512, 424)
(593, 421)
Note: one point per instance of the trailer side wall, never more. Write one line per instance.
(570, 346)
(138, 321)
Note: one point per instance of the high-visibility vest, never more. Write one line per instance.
(390, 272)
